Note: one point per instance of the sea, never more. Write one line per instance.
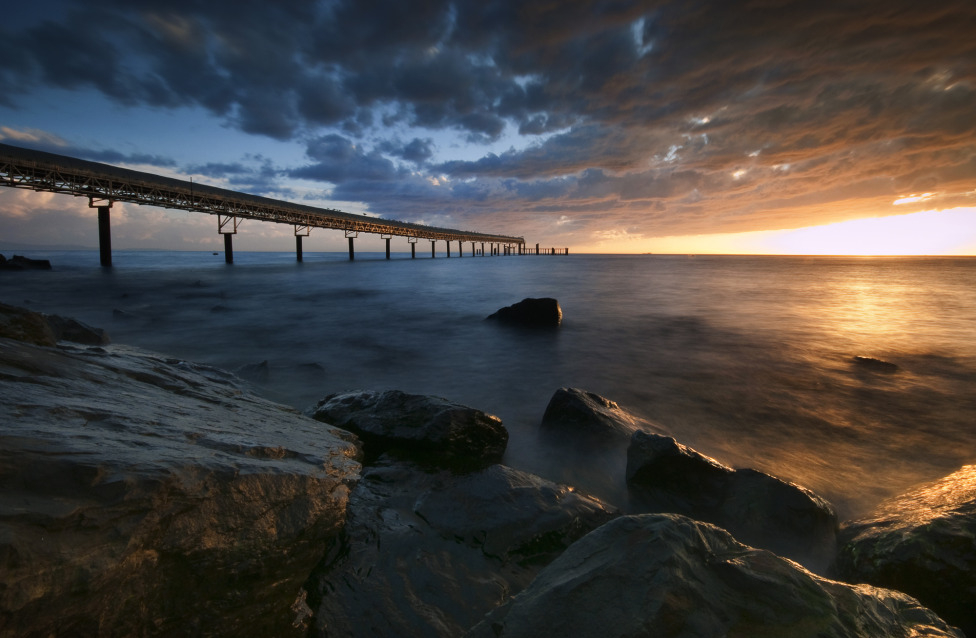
(747, 359)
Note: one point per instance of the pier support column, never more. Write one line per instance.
(433, 247)
(448, 242)
(474, 251)
(228, 248)
(537, 249)
(104, 236)
(227, 226)
(350, 235)
(482, 249)
(413, 247)
(104, 229)
(301, 230)
(460, 248)
(387, 238)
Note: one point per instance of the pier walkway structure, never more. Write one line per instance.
(104, 184)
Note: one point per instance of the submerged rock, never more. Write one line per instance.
(922, 542)
(532, 313)
(761, 510)
(667, 575)
(429, 553)
(438, 430)
(875, 364)
(143, 495)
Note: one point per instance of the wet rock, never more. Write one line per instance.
(25, 325)
(18, 262)
(429, 553)
(432, 428)
(258, 372)
(667, 575)
(532, 313)
(46, 330)
(922, 542)
(575, 413)
(68, 329)
(144, 495)
(761, 510)
(871, 363)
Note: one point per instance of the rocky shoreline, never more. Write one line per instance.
(148, 496)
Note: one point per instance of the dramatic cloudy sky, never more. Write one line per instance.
(598, 125)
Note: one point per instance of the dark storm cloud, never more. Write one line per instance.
(674, 116)
(337, 159)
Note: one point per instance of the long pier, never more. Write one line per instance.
(104, 184)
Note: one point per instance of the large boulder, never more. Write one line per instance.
(761, 510)
(583, 441)
(429, 553)
(436, 429)
(142, 495)
(922, 542)
(667, 575)
(531, 313)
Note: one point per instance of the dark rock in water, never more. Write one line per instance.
(255, 371)
(17, 262)
(46, 330)
(670, 576)
(666, 476)
(923, 543)
(436, 429)
(875, 364)
(142, 495)
(577, 413)
(68, 329)
(26, 325)
(429, 554)
(509, 514)
(532, 313)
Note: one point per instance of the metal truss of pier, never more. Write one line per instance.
(103, 184)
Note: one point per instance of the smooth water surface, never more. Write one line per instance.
(747, 359)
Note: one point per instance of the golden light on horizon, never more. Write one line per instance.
(947, 232)
(933, 232)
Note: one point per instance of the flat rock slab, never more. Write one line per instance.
(146, 495)
(667, 575)
(922, 542)
(437, 429)
(429, 553)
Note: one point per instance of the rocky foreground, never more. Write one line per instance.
(146, 496)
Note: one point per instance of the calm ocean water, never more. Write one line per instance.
(747, 359)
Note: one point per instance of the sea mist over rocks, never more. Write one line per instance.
(748, 359)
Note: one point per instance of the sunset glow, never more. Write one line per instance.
(948, 232)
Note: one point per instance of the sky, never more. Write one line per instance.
(769, 126)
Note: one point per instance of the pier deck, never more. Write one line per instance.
(104, 184)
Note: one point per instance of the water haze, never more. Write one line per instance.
(746, 359)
